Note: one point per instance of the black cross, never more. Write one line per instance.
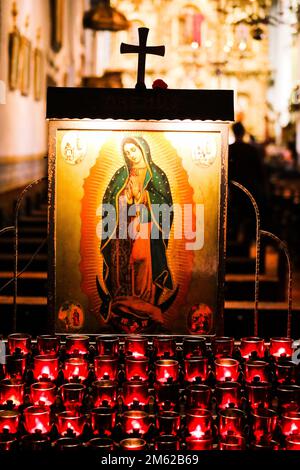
(142, 50)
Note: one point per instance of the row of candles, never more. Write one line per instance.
(80, 401)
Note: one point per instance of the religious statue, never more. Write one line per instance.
(135, 264)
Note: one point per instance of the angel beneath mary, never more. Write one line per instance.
(135, 267)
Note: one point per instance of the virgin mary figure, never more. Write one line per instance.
(135, 265)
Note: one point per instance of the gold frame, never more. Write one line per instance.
(140, 125)
(25, 66)
(13, 57)
(38, 79)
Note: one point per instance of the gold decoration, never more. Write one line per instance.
(13, 51)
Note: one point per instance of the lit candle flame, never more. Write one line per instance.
(136, 425)
(45, 371)
(137, 354)
(76, 371)
(227, 373)
(166, 375)
(294, 428)
(197, 433)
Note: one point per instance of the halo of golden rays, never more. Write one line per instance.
(109, 160)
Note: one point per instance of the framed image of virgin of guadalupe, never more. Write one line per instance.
(137, 192)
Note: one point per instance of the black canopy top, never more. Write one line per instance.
(154, 104)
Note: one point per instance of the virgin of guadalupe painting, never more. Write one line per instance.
(135, 267)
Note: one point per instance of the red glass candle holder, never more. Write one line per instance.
(256, 371)
(233, 443)
(48, 345)
(136, 368)
(107, 345)
(286, 372)
(45, 367)
(43, 393)
(293, 442)
(167, 443)
(290, 423)
(226, 369)
(103, 421)
(166, 370)
(8, 443)
(168, 422)
(106, 367)
(133, 444)
(194, 346)
(11, 390)
(77, 345)
(265, 445)
(136, 346)
(101, 444)
(198, 422)
(231, 422)
(195, 368)
(35, 442)
(281, 347)
(264, 422)
(19, 342)
(37, 419)
(68, 444)
(198, 396)
(164, 346)
(105, 393)
(69, 422)
(135, 421)
(72, 395)
(222, 346)
(199, 444)
(259, 394)
(9, 421)
(250, 345)
(289, 397)
(227, 394)
(166, 395)
(14, 367)
(135, 392)
(76, 368)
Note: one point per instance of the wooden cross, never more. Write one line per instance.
(142, 50)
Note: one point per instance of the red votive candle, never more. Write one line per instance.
(9, 421)
(293, 442)
(11, 390)
(222, 346)
(101, 444)
(290, 423)
(166, 370)
(286, 372)
(198, 422)
(107, 345)
(103, 421)
(135, 392)
(252, 344)
(68, 444)
(195, 368)
(19, 342)
(198, 396)
(105, 393)
(48, 345)
(259, 394)
(76, 368)
(264, 423)
(45, 367)
(77, 344)
(8, 443)
(164, 346)
(37, 419)
(167, 443)
(14, 367)
(133, 444)
(136, 346)
(256, 371)
(135, 421)
(69, 422)
(226, 369)
(199, 444)
(168, 422)
(231, 422)
(232, 443)
(43, 393)
(72, 395)
(194, 346)
(281, 347)
(167, 394)
(136, 368)
(289, 397)
(106, 367)
(227, 394)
